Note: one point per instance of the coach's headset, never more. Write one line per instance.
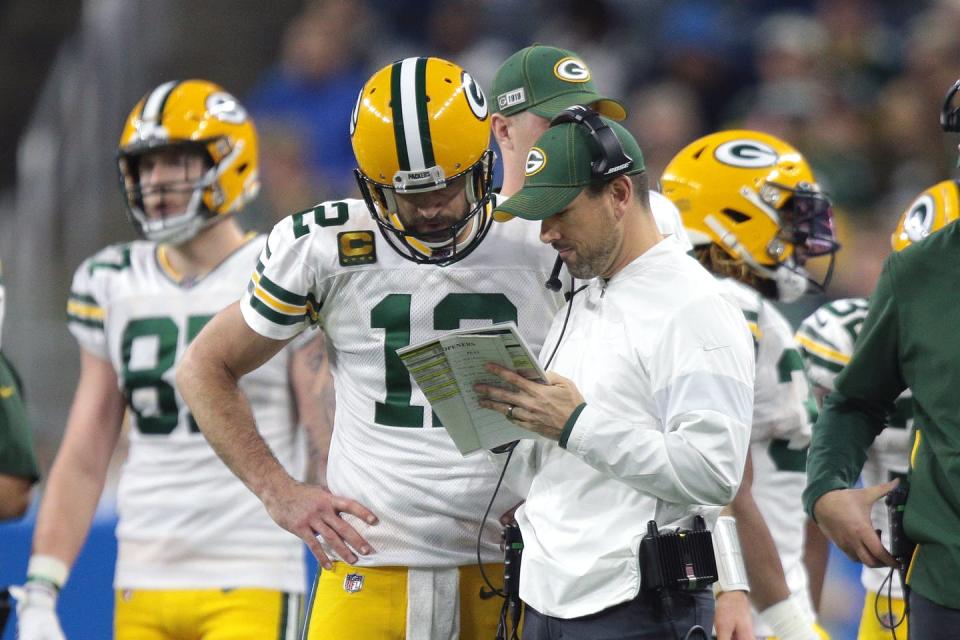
(609, 159)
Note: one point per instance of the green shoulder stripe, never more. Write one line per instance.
(275, 316)
(814, 359)
(83, 298)
(86, 322)
(280, 293)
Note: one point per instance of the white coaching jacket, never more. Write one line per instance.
(665, 364)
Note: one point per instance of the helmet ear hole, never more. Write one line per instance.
(735, 215)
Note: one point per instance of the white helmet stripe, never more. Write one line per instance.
(153, 105)
(411, 124)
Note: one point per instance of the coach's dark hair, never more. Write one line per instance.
(641, 188)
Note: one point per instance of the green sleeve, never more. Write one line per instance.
(853, 415)
(17, 457)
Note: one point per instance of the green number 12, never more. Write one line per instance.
(393, 315)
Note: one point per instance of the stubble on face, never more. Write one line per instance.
(447, 207)
(592, 258)
(591, 238)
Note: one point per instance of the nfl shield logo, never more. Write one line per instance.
(353, 582)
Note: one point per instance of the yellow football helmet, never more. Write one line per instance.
(418, 124)
(932, 210)
(755, 197)
(191, 115)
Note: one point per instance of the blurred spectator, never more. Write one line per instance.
(861, 51)
(907, 145)
(798, 99)
(932, 49)
(592, 28)
(700, 45)
(455, 33)
(290, 183)
(313, 90)
(664, 117)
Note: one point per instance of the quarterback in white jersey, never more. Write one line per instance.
(388, 451)
(197, 551)
(755, 214)
(404, 509)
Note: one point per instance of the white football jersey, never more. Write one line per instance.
(185, 521)
(331, 266)
(826, 340)
(779, 436)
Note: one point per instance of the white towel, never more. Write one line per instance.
(433, 604)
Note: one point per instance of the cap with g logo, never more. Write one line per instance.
(558, 169)
(547, 80)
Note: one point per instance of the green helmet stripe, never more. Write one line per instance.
(423, 118)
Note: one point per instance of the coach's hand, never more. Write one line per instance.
(37, 611)
(844, 517)
(308, 511)
(543, 408)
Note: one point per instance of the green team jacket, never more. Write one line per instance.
(17, 457)
(910, 338)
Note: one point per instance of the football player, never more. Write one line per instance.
(826, 341)
(198, 555)
(419, 255)
(755, 214)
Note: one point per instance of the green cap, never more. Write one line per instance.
(547, 80)
(558, 168)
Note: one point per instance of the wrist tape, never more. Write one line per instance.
(47, 569)
(731, 572)
(788, 620)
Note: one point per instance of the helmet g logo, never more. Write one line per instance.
(536, 161)
(571, 70)
(919, 220)
(475, 97)
(225, 107)
(748, 154)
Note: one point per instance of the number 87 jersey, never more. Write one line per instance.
(186, 522)
(329, 266)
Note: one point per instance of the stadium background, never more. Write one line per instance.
(855, 84)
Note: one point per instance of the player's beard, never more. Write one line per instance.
(593, 259)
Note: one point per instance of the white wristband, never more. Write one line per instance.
(788, 621)
(48, 568)
(731, 572)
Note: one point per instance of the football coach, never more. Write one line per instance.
(646, 414)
